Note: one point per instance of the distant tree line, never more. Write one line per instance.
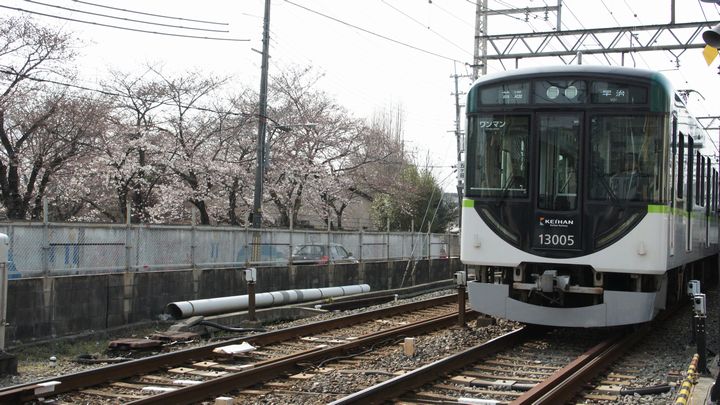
(165, 142)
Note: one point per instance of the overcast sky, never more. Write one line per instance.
(375, 54)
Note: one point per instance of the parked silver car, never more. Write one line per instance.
(322, 253)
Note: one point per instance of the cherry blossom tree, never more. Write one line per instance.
(131, 151)
(42, 124)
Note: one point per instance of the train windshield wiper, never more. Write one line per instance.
(603, 177)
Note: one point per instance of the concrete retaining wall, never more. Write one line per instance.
(47, 307)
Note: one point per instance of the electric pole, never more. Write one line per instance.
(460, 146)
(262, 123)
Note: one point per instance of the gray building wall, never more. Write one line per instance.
(48, 307)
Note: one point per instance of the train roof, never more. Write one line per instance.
(579, 71)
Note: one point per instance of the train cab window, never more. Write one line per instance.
(497, 156)
(559, 152)
(626, 157)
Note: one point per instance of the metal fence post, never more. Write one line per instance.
(412, 239)
(192, 239)
(387, 242)
(46, 240)
(247, 247)
(128, 235)
(360, 256)
(4, 245)
(292, 233)
(429, 245)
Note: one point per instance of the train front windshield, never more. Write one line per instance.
(625, 158)
(624, 162)
(547, 159)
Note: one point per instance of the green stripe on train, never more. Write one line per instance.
(468, 203)
(658, 209)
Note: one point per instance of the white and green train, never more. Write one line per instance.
(591, 196)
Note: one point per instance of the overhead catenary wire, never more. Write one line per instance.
(452, 15)
(149, 14)
(373, 33)
(427, 27)
(123, 18)
(113, 94)
(123, 28)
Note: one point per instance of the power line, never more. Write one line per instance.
(452, 15)
(124, 28)
(424, 26)
(114, 94)
(149, 14)
(610, 11)
(122, 18)
(373, 33)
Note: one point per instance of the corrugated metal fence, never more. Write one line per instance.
(38, 249)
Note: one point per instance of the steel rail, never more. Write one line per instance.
(259, 374)
(560, 387)
(563, 386)
(395, 387)
(31, 391)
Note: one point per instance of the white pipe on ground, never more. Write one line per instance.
(212, 306)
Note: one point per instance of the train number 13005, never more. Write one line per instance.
(547, 239)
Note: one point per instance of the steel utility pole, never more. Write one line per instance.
(480, 59)
(460, 146)
(480, 53)
(262, 123)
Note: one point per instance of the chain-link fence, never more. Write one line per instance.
(72, 248)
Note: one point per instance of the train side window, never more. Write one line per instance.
(674, 167)
(715, 191)
(690, 150)
(698, 165)
(702, 181)
(681, 167)
(708, 182)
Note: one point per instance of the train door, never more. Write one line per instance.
(557, 211)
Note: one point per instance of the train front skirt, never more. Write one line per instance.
(618, 307)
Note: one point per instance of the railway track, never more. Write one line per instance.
(527, 366)
(196, 374)
(522, 366)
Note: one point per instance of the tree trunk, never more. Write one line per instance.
(202, 209)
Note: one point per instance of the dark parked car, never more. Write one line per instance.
(320, 253)
(268, 254)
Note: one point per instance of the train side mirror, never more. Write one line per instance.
(699, 304)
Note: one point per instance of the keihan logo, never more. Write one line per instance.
(564, 223)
